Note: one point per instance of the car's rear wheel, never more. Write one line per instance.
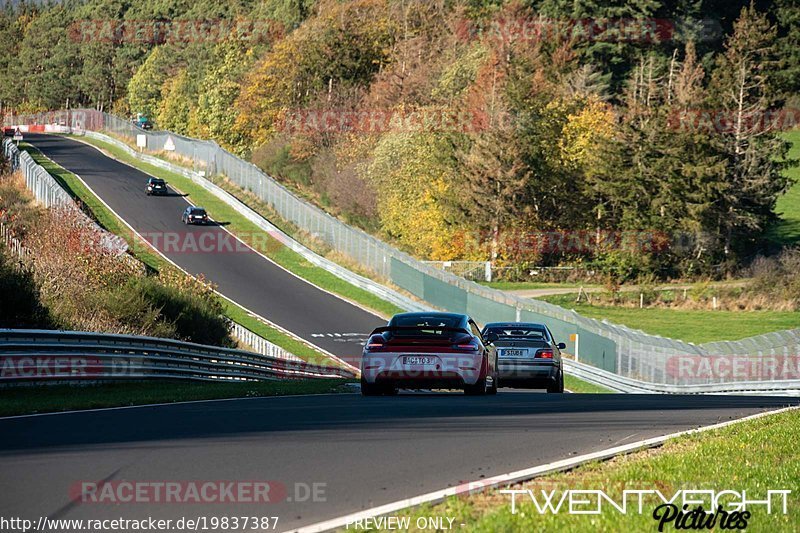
(371, 389)
(479, 389)
(558, 385)
(495, 382)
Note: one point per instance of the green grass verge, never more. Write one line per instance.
(28, 400)
(144, 253)
(579, 386)
(696, 326)
(787, 231)
(754, 456)
(240, 226)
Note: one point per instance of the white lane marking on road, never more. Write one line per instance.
(186, 196)
(518, 476)
(121, 407)
(623, 439)
(173, 263)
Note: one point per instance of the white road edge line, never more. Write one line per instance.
(519, 475)
(183, 402)
(170, 261)
(186, 196)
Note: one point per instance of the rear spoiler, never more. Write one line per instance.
(417, 328)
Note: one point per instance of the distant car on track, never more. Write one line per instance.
(527, 355)
(428, 350)
(143, 122)
(155, 186)
(195, 215)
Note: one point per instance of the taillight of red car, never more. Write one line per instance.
(466, 345)
(375, 343)
(544, 354)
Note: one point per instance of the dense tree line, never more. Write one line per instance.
(623, 135)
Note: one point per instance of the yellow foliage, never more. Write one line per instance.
(413, 177)
(584, 132)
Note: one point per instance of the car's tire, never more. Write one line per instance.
(558, 386)
(371, 389)
(479, 389)
(495, 381)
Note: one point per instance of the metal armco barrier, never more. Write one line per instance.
(617, 349)
(50, 192)
(400, 300)
(68, 356)
(616, 383)
(261, 345)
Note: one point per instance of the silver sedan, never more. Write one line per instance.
(527, 355)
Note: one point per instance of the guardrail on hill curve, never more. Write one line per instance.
(35, 356)
(618, 349)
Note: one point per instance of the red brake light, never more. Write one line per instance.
(472, 346)
(544, 354)
(375, 342)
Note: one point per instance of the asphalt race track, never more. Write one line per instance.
(243, 276)
(366, 451)
(358, 452)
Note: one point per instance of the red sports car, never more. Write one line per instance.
(429, 351)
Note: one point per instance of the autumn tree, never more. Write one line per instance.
(414, 176)
(742, 88)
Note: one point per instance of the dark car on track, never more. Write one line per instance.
(528, 356)
(155, 186)
(195, 215)
(428, 350)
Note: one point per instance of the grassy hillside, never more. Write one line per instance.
(694, 325)
(787, 231)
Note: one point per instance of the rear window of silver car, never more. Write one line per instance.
(528, 333)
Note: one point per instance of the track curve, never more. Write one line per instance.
(242, 275)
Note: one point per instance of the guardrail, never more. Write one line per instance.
(260, 345)
(32, 356)
(617, 383)
(618, 349)
(49, 191)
